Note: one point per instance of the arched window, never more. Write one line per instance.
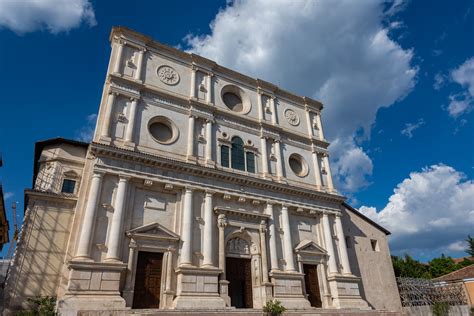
(238, 154)
(225, 150)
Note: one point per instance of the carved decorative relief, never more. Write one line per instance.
(168, 75)
(238, 246)
(292, 117)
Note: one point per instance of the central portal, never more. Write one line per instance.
(239, 275)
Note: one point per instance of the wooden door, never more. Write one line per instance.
(239, 275)
(312, 284)
(148, 280)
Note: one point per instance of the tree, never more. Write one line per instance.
(409, 267)
(441, 266)
(470, 245)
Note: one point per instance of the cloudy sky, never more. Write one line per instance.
(396, 78)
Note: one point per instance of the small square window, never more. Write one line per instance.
(375, 245)
(68, 186)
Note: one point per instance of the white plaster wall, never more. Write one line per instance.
(151, 65)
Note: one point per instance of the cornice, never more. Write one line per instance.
(204, 171)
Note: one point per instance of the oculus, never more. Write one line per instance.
(163, 130)
(292, 117)
(235, 99)
(168, 75)
(298, 165)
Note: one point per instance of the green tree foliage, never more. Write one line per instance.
(408, 267)
(470, 245)
(441, 266)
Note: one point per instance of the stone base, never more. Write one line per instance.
(72, 305)
(288, 289)
(345, 292)
(198, 288)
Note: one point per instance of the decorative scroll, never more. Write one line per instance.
(419, 292)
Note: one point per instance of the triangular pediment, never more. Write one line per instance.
(152, 231)
(310, 247)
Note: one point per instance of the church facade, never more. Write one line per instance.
(203, 188)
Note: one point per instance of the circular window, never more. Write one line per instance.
(298, 165)
(163, 130)
(235, 99)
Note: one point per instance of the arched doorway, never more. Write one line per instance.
(239, 272)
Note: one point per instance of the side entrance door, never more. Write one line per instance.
(239, 275)
(312, 284)
(148, 280)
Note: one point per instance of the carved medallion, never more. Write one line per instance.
(292, 117)
(168, 75)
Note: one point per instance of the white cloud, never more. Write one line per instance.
(411, 127)
(55, 16)
(439, 81)
(86, 133)
(350, 165)
(457, 246)
(431, 210)
(462, 103)
(8, 195)
(354, 68)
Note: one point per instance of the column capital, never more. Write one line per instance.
(141, 50)
(338, 215)
(124, 177)
(114, 93)
(210, 193)
(188, 189)
(134, 99)
(263, 226)
(98, 173)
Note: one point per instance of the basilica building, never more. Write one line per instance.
(202, 188)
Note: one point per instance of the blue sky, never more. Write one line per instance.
(396, 78)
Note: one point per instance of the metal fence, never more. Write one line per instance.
(419, 292)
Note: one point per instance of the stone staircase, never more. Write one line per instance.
(237, 312)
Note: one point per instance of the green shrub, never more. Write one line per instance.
(43, 306)
(274, 307)
(440, 309)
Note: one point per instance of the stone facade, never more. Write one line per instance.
(193, 166)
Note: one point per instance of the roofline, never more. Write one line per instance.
(193, 58)
(365, 218)
(40, 145)
(456, 271)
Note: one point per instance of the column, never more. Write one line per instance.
(274, 112)
(83, 248)
(317, 170)
(222, 223)
(261, 117)
(308, 122)
(208, 141)
(108, 114)
(169, 269)
(346, 267)
(131, 121)
(328, 173)
(187, 228)
(320, 125)
(209, 88)
(118, 57)
(115, 236)
(272, 238)
(263, 145)
(329, 245)
(287, 243)
(192, 93)
(263, 247)
(208, 224)
(279, 163)
(138, 73)
(191, 136)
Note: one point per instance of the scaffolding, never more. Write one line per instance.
(420, 292)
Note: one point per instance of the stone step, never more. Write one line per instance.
(233, 312)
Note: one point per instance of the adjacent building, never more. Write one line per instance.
(203, 188)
